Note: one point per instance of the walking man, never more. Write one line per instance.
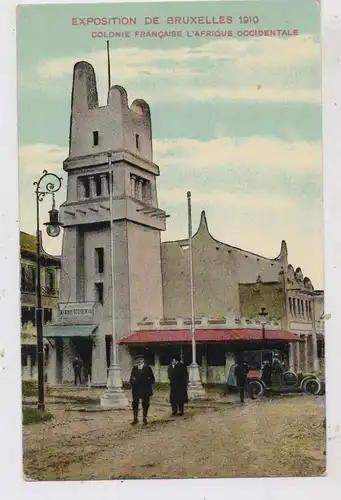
(77, 368)
(241, 372)
(178, 378)
(141, 381)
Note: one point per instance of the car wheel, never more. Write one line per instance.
(255, 389)
(311, 386)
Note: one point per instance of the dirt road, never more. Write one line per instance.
(280, 437)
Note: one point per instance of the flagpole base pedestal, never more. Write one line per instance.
(195, 388)
(114, 397)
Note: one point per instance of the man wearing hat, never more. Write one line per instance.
(141, 381)
(178, 378)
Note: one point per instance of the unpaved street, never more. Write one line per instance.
(217, 438)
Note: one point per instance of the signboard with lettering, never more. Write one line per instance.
(76, 312)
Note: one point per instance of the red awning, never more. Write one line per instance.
(206, 336)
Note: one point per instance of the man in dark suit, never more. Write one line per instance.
(178, 378)
(77, 369)
(141, 381)
(241, 371)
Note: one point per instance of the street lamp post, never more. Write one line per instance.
(47, 184)
(195, 387)
(263, 318)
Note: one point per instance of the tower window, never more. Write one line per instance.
(31, 279)
(49, 281)
(98, 184)
(99, 252)
(95, 138)
(137, 141)
(99, 292)
(146, 191)
(23, 279)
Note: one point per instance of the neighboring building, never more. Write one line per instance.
(50, 267)
(152, 302)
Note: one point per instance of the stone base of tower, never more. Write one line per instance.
(114, 397)
(195, 388)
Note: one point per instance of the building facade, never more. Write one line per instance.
(50, 269)
(151, 279)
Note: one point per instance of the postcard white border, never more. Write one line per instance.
(11, 482)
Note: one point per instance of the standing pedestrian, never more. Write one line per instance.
(241, 371)
(141, 381)
(77, 369)
(178, 378)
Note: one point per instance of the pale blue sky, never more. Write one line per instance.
(237, 121)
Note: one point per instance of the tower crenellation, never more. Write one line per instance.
(116, 126)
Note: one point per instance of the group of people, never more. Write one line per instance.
(142, 380)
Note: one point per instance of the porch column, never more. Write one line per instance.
(298, 357)
(291, 357)
(99, 374)
(306, 364)
(157, 368)
(229, 361)
(204, 375)
(52, 367)
(67, 368)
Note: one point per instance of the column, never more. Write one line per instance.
(99, 362)
(157, 368)
(52, 366)
(133, 186)
(92, 186)
(139, 189)
(81, 188)
(29, 367)
(67, 368)
(306, 365)
(229, 361)
(298, 360)
(104, 185)
(291, 357)
(204, 375)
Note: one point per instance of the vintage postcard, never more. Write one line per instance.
(171, 232)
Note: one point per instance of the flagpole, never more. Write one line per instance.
(191, 275)
(109, 69)
(195, 387)
(114, 396)
(112, 259)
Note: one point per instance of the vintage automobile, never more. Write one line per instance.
(286, 380)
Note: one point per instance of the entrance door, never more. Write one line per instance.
(83, 347)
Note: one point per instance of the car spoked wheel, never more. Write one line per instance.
(311, 386)
(255, 389)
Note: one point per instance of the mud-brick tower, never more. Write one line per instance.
(118, 137)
